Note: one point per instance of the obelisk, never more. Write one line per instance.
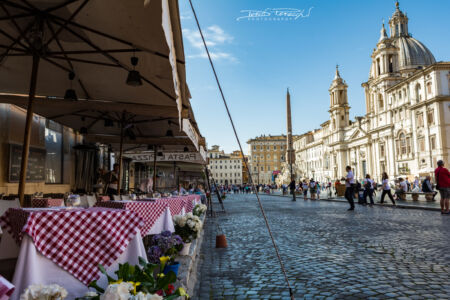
(290, 149)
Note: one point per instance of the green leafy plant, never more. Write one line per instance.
(143, 278)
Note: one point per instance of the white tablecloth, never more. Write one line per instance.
(34, 268)
(163, 223)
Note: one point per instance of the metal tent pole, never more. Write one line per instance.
(27, 135)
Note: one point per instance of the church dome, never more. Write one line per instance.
(412, 53)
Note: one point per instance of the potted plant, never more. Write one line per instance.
(166, 244)
(199, 210)
(137, 282)
(188, 228)
(49, 292)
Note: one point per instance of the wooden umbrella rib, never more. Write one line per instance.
(14, 4)
(113, 59)
(93, 62)
(106, 35)
(49, 25)
(60, 5)
(74, 14)
(56, 64)
(18, 16)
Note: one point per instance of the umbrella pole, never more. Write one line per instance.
(29, 122)
(154, 169)
(120, 158)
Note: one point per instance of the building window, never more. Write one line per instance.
(430, 117)
(418, 95)
(402, 143)
(378, 67)
(274, 147)
(254, 147)
(408, 145)
(382, 151)
(53, 145)
(380, 102)
(221, 167)
(433, 142)
(262, 168)
(420, 119)
(421, 142)
(429, 88)
(391, 64)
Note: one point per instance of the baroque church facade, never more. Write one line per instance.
(406, 128)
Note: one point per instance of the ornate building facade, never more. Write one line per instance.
(267, 153)
(225, 168)
(406, 128)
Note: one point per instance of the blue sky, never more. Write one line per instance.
(257, 60)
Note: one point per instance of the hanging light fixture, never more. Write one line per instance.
(134, 78)
(169, 133)
(83, 130)
(70, 93)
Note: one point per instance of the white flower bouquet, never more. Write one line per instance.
(44, 292)
(199, 210)
(187, 226)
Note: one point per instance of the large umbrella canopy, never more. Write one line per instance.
(95, 39)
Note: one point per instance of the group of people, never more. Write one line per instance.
(369, 187)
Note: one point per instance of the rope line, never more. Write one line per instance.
(242, 153)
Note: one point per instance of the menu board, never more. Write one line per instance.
(36, 163)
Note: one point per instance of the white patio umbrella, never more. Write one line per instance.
(93, 49)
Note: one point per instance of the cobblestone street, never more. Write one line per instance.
(329, 253)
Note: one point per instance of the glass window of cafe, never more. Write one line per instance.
(54, 158)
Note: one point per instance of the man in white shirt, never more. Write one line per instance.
(403, 188)
(349, 183)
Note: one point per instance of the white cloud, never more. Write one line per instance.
(215, 38)
(185, 17)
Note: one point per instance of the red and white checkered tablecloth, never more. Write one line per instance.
(190, 201)
(176, 204)
(77, 240)
(6, 288)
(46, 202)
(149, 211)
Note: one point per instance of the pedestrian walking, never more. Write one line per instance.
(442, 176)
(386, 189)
(305, 189)
(312, 188)
(368, 190)
(349, 185)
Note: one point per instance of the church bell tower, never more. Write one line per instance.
(339, 108)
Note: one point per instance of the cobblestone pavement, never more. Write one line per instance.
(329, 253)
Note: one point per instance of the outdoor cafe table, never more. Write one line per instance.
(180, 205)
(65, 246)
(46, 202)
(156, 215)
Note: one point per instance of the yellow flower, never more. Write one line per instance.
(135, 285)
(160, 275)
(182, 292)
(119, 281)
(163, 260)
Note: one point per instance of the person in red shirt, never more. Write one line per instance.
(442, 176)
